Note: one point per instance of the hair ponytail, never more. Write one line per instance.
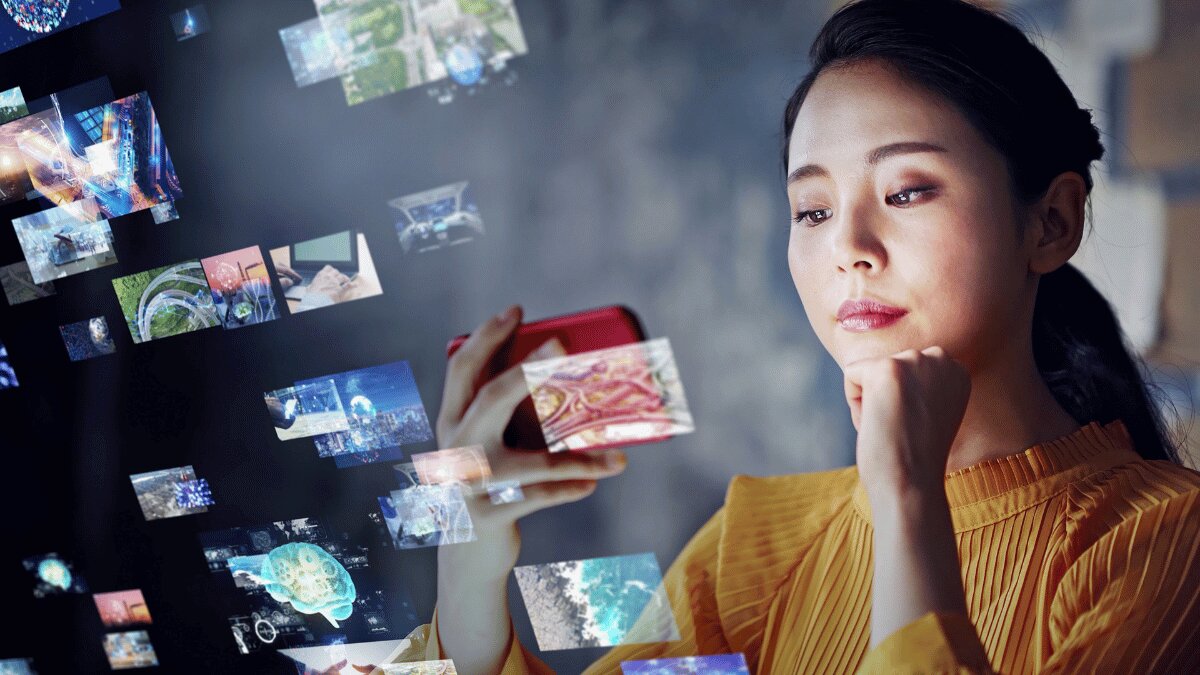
(1081, 353)
(1009, 91)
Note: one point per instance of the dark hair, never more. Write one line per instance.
(1009, 91)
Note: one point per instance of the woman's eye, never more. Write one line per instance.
(907, 196)
(811, 217)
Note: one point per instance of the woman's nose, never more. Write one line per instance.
(856, 242)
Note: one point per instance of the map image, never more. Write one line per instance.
(601, 602)
(384, 46)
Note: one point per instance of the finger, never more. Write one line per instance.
(466, 366)
(530, 468)
(852, 377)
(544, 496)
(497, 400)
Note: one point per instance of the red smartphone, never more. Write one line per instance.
(586, 331)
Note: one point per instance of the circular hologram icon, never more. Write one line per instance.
(464, 65)
(313, 581)
(55, 572)
(362, 408)
(266, 631)
(37, 16)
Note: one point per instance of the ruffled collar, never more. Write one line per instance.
(996, 488)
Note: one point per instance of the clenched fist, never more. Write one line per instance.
(907, 408)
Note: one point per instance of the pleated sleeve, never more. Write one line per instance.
(1130, 603)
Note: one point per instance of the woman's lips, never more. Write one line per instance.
(861, 323)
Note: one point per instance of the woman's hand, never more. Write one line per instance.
(473, 623)
(907, 408)
(475, 413)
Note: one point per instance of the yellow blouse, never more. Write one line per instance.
(1076, 554)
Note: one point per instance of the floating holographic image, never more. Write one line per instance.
(122, 608)
(426, 515)
(190, 22)
(599, 602)
(15, 184)
(166, 301)
(19, 286)
(382, 48)
(129, 650)
(54, 573)
(158, 493)
(112, 154)
(309, 52)
(310, 409)
(311, 580)
(608, 397)
(37, 16)
(87, 339)
(241, 288)
(17, 667)
(383, 410)
(65, 240)
(467, 466)
(53, 576)
(286, 572)
(326, 271)
(8, 377)
(35, 19)
(164, 212)
(437, 218)
(443, 667)
(717, 664)
(357, 657)
(12, 105)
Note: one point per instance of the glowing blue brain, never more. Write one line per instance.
(313, 581)
(55, 573)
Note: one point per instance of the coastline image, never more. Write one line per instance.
(600, 602)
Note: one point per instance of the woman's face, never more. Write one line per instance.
(928, 226)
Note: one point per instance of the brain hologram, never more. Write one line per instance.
(311, 579)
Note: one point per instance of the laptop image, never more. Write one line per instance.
(309, 257)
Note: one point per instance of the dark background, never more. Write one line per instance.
(635, 161)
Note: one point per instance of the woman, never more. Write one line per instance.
(1015, 504)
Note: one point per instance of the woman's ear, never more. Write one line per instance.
(1058, 220)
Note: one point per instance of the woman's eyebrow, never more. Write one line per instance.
(873, 157)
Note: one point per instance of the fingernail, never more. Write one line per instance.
(614, 460)
(507, 315)
(549, 348)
